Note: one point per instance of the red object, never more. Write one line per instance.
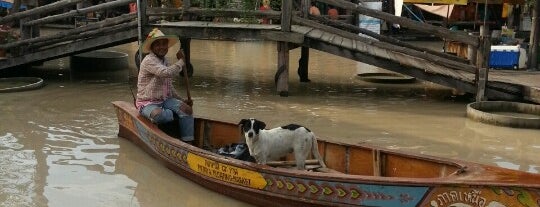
(132, 8)
(264, 8)
(333, 13)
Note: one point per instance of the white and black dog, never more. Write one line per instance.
(270, 145)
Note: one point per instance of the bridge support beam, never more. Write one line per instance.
(303, 65)
(282, 74)
(482, 64)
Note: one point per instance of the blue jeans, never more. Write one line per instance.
(168, 108)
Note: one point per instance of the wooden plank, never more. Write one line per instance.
(327, 170)
(282, 73)
(337, 154)
(212, 12)
(70, 48)
(83, 11)
(326, 37)
(315, 34)
(337, 40)
(88, 34)
(377, 163)
(301, 29)
(39, 10)
(286, 15)
(280, 36)
(290, 163)
(347, 43)
(77, 31)
(394, 41)
(362, 161)
(466, 85)
(482, 81)
(384, 45)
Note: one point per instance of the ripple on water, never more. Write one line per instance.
(17, 171)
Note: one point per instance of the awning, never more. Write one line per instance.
(440, 10)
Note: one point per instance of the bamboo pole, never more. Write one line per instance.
(423, 27)
(76, 12)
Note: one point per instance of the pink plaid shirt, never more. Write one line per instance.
(154, 84)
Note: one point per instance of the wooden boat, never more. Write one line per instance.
(358, 175)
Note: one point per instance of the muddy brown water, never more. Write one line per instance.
(59, 144)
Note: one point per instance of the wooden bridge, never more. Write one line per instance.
(296, 29)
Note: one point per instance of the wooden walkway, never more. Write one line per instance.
(379, 51)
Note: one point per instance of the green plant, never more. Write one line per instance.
(7, 34)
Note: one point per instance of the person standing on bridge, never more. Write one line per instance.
(314, 10)
(265, 7)
(157, 99)
(333, 13)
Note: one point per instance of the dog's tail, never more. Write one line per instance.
(315, 151)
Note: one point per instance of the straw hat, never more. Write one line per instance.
(154, 35)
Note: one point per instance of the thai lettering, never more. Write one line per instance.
(448, 198)
(222, 172)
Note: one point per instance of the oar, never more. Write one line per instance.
(184, 70)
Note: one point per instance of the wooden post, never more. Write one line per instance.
(27, 32)
(355, 15)
(303, 62)
(535, 29)
(303, 65)
(306, 4)
(282, 74)
(482, 63)
(186, 4)
(471, 53)
(143, 20)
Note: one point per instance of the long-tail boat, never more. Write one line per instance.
(355, 175)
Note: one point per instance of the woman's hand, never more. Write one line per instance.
(186, 109)
(189, 102)
(180, 54)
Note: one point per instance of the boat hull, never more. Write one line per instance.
(268, 186)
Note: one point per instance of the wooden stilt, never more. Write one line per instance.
(282, 74)
(303, 65)
(482, 63)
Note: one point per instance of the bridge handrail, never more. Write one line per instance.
(423, 27)
(212, 12)
(39, 10)
(60, 37)
(76, 12)
(391, 40)
(427, 56)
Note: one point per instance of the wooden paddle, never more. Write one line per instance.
(184, 70)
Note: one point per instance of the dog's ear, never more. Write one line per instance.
(260, 124)
(242, 122)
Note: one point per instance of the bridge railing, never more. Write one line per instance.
(30, 22)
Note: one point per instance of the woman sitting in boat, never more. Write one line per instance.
(157, 99)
